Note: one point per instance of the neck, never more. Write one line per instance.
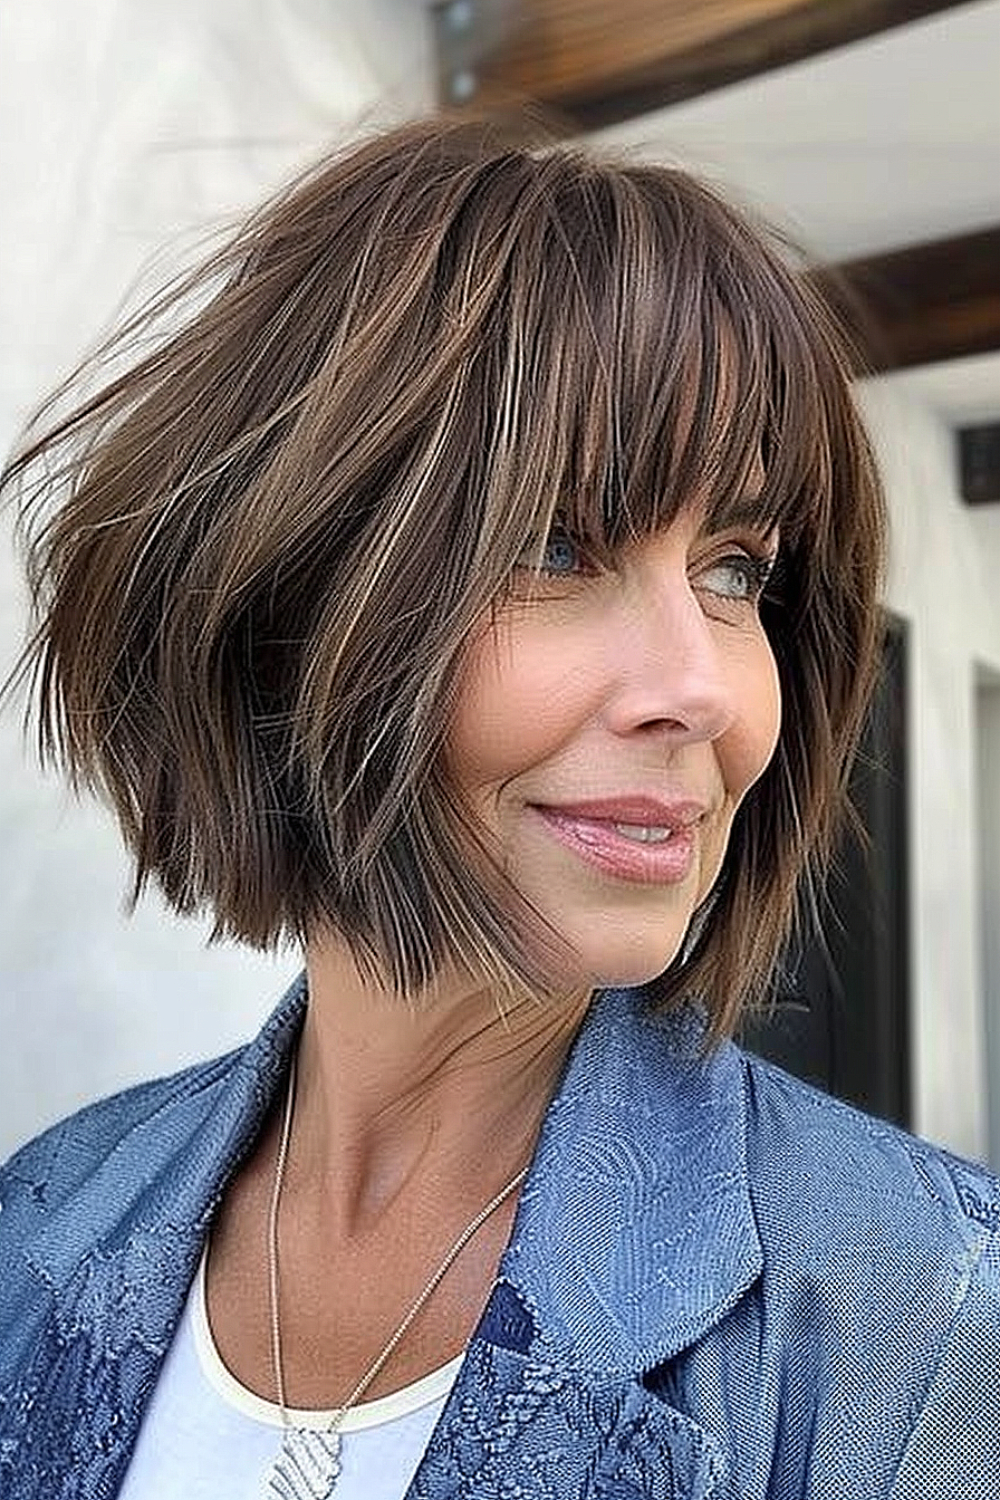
(396, 1097)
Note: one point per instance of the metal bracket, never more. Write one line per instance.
(466, 34)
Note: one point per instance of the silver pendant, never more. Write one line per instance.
(306, 1468)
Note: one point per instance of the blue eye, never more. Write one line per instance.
(561, 555)
(740, 578)
(559, 558)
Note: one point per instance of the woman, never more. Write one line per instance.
(479, 588)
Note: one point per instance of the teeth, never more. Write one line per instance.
(642, 833)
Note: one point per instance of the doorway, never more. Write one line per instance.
(840, 1016)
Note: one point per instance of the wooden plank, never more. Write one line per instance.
(923, 303)
(590, 63)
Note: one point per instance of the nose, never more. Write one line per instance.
(670, 675)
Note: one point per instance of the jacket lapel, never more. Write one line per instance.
(69, 1427)
(635, 1234)
(521, 1429)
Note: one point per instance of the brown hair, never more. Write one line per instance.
(276, 532)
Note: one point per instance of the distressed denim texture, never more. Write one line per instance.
(720, 1285)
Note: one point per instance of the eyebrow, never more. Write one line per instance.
(746, 510)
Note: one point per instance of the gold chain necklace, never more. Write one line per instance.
(309, 1462)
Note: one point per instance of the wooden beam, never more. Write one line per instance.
(590, 63)
(921, 304)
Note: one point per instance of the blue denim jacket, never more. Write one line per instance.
(721, 1285)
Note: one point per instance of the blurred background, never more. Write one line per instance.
(870, 131)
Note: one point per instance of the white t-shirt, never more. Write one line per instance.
(207, 1437)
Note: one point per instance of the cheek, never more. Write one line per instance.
(754, 739)
(514, 702)
(770, 715)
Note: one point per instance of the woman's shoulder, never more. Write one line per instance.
(816, 1164)
(45, 1172)
(878, 1306)
(129, 1138)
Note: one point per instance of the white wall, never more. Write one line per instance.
(943, 579)
(987, 735)
(127, 126)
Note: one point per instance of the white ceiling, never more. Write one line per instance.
(964, 391)
(878, 144)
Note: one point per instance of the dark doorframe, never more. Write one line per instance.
(841, 1011)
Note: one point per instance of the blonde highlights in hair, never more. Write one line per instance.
(275, 533)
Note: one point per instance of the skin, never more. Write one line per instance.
(652, 677)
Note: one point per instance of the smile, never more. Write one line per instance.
(646, 845)
(643, 833)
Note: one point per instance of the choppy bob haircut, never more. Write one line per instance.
(275, 533)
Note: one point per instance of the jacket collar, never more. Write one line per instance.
(121, 1250)
(634, 1234)
(635, 1231)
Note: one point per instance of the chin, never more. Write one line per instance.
(632, 976)
(632, 964)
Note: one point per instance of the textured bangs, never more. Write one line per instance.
(257, 556)
(680, 366)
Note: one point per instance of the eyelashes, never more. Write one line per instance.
(561, 556)
(743, 574)
(770, 576)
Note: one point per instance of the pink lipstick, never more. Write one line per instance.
(631, 838)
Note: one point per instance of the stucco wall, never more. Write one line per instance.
(943, 580)
(128, 130)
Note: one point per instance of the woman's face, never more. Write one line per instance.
(609, 724)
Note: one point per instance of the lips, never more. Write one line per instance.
(634, 811)
(634, 838)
